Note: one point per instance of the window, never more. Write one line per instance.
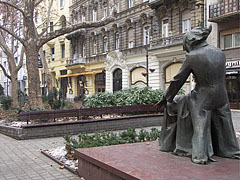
(94, 15)
(84, 50)
(130, 3)
(16, 60)
(146, 35)
(83, 17)
(53, 52)
(105, 12)
(117, 7)
(186, 20)
(63, 50)
(237, 39)
(231, 40)
(51, 26)
(116, 40)
(130, 38)
(165, 28)
(36, 17)
(105, 44)
(94, 47)
(186, 25)
(61, 3)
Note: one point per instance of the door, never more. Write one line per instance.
(117, 80)
(100, 82)
(64, 82)
(233, 90)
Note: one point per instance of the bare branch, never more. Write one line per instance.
(21, 59)
(5, 72)
(48, 18)
(13, 5)
(37, 3)
(13, 34)
(4, 46)
(57, 33)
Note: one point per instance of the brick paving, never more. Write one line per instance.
(22, 160)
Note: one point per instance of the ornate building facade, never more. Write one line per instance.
(145, 35)
(226, 16)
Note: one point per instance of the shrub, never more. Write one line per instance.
(131, 96)
(55, 99)
(109, 138)
(1, 90)
(6, 102)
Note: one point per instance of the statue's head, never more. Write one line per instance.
(194, 37)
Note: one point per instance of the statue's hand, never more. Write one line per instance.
(161, 104)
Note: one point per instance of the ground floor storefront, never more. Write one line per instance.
(233, 87)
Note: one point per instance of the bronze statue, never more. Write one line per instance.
(199, 124)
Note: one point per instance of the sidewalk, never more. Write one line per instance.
(236, 119)
(22, 160)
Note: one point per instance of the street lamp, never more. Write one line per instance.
(146, 30)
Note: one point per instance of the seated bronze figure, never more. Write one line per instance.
(199, 124)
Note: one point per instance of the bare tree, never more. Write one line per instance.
(33, 41)
(9, 45)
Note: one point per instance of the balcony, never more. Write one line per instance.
(76, 63)
(154, 4)
(165, 42)
(224, 11)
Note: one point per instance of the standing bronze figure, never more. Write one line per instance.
(199, 124)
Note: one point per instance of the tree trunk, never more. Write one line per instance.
(14, 89)
(35, 99)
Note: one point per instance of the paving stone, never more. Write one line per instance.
(23, 159)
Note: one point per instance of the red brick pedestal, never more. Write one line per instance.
(144, 161)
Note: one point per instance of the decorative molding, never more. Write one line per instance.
(115, 58)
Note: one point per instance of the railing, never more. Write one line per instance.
(168, 41)
(72, 62)
(223, 8)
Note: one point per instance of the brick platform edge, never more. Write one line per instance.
(144, 161)
(83, 126)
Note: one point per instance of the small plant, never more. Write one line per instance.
(1, 90)
(55, 99)
(6, 102)
(109, 138)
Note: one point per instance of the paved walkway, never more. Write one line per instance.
(23, 160)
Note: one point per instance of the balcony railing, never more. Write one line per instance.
(226, 7)
(168, 41)
(77, 61)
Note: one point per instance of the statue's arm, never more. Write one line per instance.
(178, 80)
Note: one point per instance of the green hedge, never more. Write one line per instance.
(131, 96)
(109, 138)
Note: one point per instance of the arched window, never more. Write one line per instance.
(117, 80)
(138, 77)
(63, 21)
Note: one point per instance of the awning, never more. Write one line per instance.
(82, 73)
